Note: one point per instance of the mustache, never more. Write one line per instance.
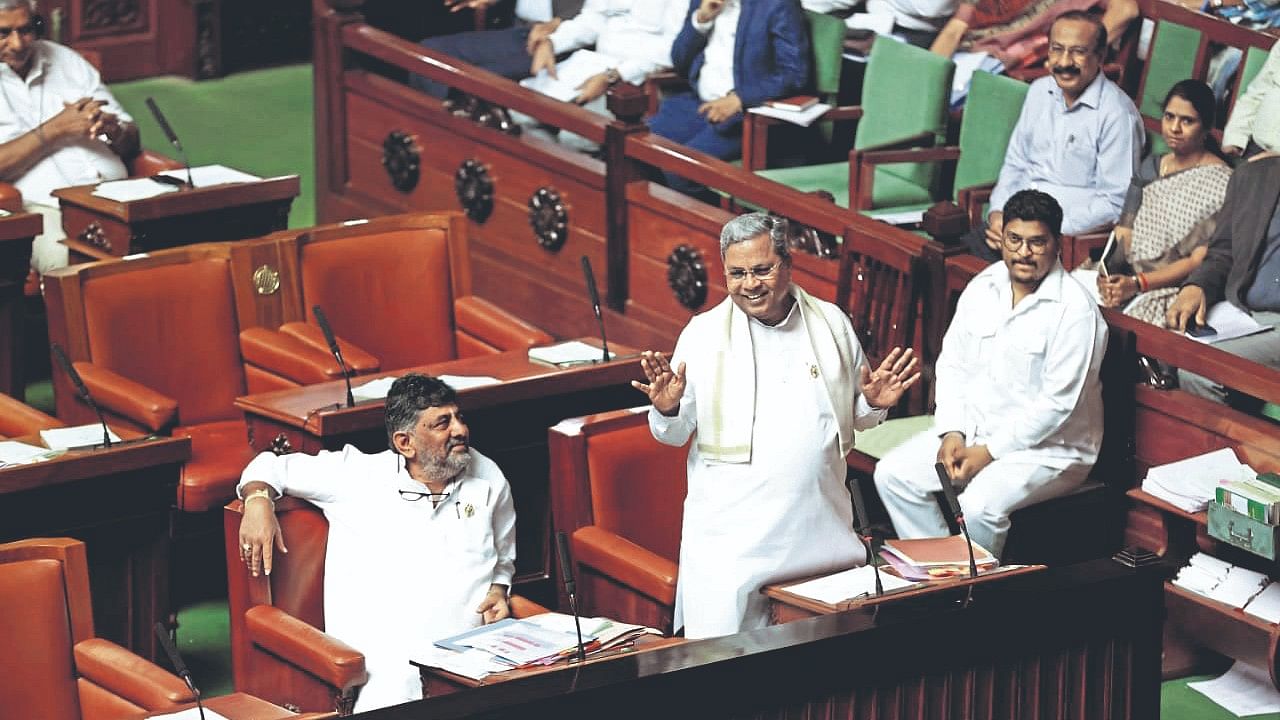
(455, 442)
(1066, 70)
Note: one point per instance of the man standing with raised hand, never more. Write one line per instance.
(770, 384)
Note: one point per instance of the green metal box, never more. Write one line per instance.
(1243, 531)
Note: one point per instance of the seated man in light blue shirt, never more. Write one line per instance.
(1078, 138)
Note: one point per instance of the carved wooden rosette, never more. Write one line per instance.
(94, 235)
(687, 276)
(400, 160)
(548, 218)
(110, 14)
(474, 189)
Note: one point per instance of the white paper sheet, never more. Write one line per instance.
(847, 585)
(803, 118)
(1239, 587)
(474, 664)
(1244, 690)
(462, 382)
(570, 75)
(567, 353)
(190, 714)
(906, 217)
(1266, 605)
(1230, 322)
(880, 23)
(372, 390)
(75, 437)
(13, 452)
(130, 190)
(209, 175)
(1189, 484)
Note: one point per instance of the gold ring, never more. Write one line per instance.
(246, 546)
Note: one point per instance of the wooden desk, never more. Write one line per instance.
(437, 682)
(239, 706)
(785, 606)
(99, 229)
(508, 422)
(116, 500)
(1073, 642)
(16, 233)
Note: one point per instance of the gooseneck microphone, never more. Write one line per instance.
(170, 135)
(949, 491)
(570, 587)
(595, 302)
(82, 390)
(862, 527)
(178, 666)
(329, 338)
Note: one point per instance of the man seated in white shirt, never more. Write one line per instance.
(60, 126)
(1019, 403)
(421, 536)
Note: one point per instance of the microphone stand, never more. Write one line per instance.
(570, 587)
(335, 349)
(178, 665)
(82, 390)
(862, 528)
(595, 304)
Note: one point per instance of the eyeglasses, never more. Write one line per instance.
(1038, 245)
(1075, 52)
(759, 272)
(415, 496)
(27, 31)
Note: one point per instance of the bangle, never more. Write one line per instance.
(1143, 285)
(260, 493)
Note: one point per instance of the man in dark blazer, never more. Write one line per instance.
(736, 54)
(1242, 267)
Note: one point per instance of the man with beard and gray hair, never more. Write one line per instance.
(421, 536)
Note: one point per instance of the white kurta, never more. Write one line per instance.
(783, 515)
(399, 575)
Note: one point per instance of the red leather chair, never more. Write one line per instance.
(620, 495)
(17, 419)
(155, 339)
(279, 650)
(396, 289)
(53, 667)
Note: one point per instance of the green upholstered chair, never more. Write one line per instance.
(905, 94)
(1174, 54)
(1254, 59)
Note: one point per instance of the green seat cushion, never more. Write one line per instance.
(890, 192)
(879, 440)
(1271, 410)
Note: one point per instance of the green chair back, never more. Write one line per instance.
(990, 113)
(1254, 59)
(905, 91)
(826, 38)
(1173, 58)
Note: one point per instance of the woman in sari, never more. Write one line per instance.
(1170, 211)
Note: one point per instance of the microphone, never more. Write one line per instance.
(949, 491)
(82, 390)
(595, 302)
(170, 135)
(178, 666)
(862, 527)
(566, 571)
(323, 322)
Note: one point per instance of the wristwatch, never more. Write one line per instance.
(613, 76)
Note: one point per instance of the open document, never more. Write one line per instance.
(847, 585)
(570, 75)
(1189, 484)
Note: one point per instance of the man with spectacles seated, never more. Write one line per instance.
(1078, 137)
(1019, 403)
(421, 536)
(59, 125)
(770, 384)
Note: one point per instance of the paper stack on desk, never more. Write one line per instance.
(934, 558)
(851, 584)
(1190, 484)
(1228, 584)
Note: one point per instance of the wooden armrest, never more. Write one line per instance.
(523, 607)
(656, 82)
(924, 139)
(287, 356)
(10, 198)
(910, 155)
(358, 360)
(626, 562)
(971, 200)
(139, 681)
(326, 657)
(18, 418)
(755, 132)
(135, 401)
(494, 326)
(862, 171)
(147, 163)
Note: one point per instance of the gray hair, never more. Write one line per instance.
(28, 5)
(751, 226)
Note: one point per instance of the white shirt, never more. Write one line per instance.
(715, 80)
(58, 75)
(399, 574)
(786, 514)
(637, 34)
(533, 11)
(910, 14)
(1024, 380)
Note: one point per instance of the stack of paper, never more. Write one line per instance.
(933, 558)
(1228, 584)
(1190, 484)
(562, 354)
(1239, 587)
(847, 585)
(80, 436)
(1266, 604)
(607, 633)
(1202, 574)
(210, 175)
(13, 452)
(803, 118)
(1253, 498)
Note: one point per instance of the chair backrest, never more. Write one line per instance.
(1172, 58)
(990, 114)
(638, 487)
(389, 290)
(826, 39)
(905, 92)
(44, 598)
(167, 321)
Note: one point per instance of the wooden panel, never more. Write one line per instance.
(134, 38)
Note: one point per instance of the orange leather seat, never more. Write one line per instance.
(279, 650)
(620, 495)
(53, 667)
(17, 419)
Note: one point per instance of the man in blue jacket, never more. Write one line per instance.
(736, 54)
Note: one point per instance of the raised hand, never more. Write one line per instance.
(884, 386)
(665, 386)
